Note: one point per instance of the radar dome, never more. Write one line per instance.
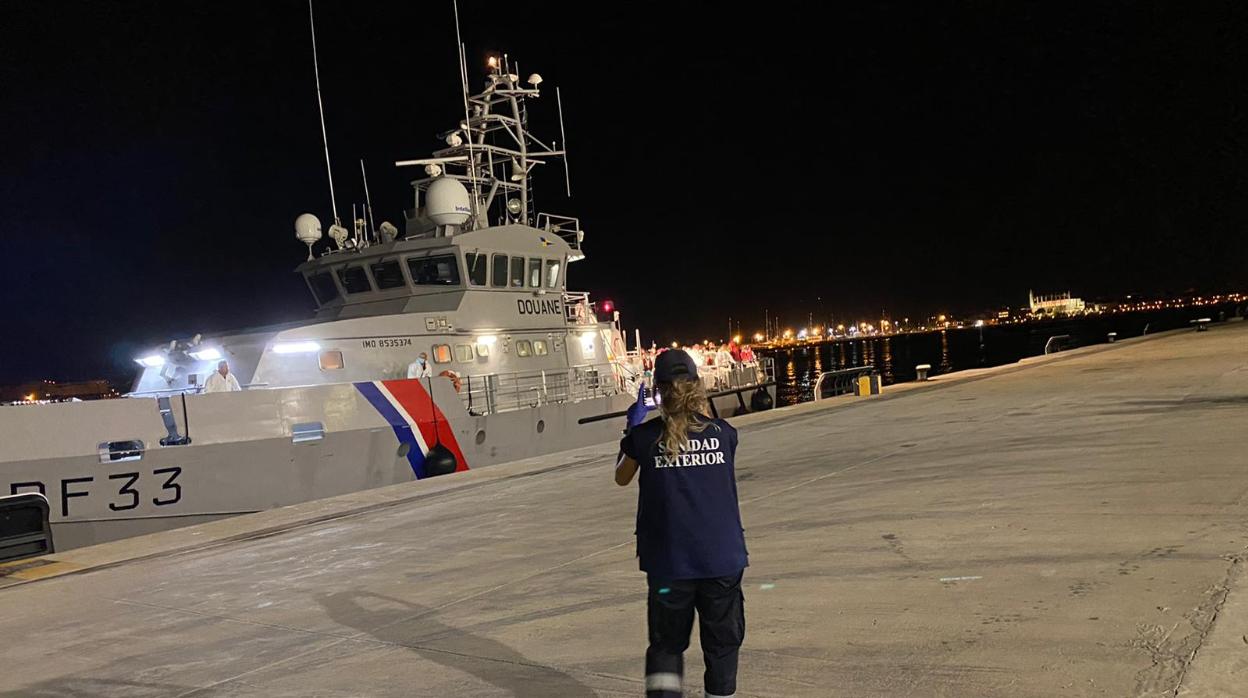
(447, 202)
(307, 229)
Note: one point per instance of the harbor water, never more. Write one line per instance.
(948, 350)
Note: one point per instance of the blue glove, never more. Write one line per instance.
(638, 410)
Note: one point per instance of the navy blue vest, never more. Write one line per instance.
(688, 521)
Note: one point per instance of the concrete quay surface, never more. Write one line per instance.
(1073, 525)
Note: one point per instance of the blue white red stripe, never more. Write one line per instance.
(415, 418)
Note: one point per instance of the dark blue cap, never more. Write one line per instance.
(673, 365)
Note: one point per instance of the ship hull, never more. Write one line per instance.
(256, 450)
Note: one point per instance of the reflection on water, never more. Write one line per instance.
(945, 365)
(948, 350)
(886, 366)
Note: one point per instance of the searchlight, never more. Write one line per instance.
(296, 347)
(207, 354)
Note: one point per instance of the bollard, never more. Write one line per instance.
(1111, 337)
(922, 370)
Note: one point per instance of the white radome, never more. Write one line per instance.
(447, 202)
(307, 229)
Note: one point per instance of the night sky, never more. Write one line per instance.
(910, 159)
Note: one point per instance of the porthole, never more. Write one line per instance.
(480, 436)
(404, 449)
(541, 425)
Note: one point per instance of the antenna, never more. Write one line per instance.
(567, 175)
(368, 199)
(321, 105)
(463, 80)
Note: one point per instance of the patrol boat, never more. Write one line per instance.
(520, 366)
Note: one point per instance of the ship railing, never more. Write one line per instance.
(566, 227)
(503, 392)
(578, 310)
(737, 374)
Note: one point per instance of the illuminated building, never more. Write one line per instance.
(1061, 304)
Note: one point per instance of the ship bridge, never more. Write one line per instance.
(436, 273)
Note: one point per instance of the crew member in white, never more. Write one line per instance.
(420, 367)
(222, 381)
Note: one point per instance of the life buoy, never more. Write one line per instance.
(454, 378)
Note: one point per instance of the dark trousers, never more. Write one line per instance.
(721, 622)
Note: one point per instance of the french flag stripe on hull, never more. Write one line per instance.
(409, 410)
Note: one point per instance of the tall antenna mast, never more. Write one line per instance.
(463, 80)
(567, 175)
(368, 199)
(321, 105)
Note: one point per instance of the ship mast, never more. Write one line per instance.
(492, 152)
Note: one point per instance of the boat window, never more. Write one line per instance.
(517, 272)
(354, 279)
(483, 350)
(463, 353)
(524, 348)
(476, 268)
(442, 353)
(388, 274)
(535, 272)
(552, 273)
(499, 277)
(331, 360)
(439, 270)
(539, 347)
(323, 287)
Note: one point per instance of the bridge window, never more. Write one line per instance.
(476, 268)
(323, 287)
(354, 279)
(463, 353)
(535, 272)
(517, 272)
(524, 348)
(552, 273)
(498, 278)
(439, 270)
(388, 274)
(441, 353)
(539, 347)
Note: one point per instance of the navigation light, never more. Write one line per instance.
(206, 354)
(295, 347)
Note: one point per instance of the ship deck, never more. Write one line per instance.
(1073, 525)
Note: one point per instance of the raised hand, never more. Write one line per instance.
(638, 410)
